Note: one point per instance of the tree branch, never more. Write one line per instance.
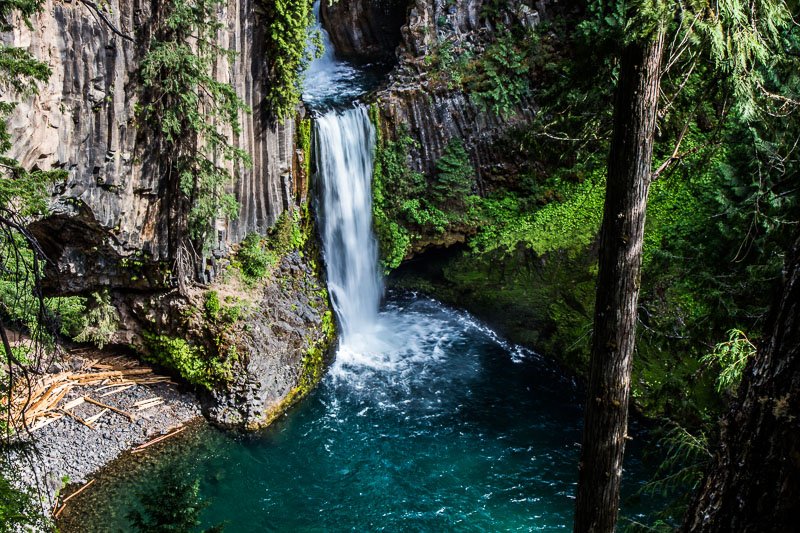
(105, 20)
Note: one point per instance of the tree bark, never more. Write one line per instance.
(754, 483)
(621, 237)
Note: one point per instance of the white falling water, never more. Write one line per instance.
(344, 148)
(328, 79)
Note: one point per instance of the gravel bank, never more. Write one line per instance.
(67, 447)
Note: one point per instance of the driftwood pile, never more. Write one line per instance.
(41, 404)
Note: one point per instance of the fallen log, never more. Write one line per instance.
(114, 391)
(95, 418)
(123, 413)
(45, 422)
(146, 400)
(159, 439)
(79, 419)
(112, 373)
(74, 403)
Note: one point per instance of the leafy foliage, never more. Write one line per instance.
(191, 362)
(291, 46)
(211, 305)
(405, 206)
(255, 258)
(454, 178)
(100, 322)
(19, 509)
(500, 78)
(731, 357)
(194, 110)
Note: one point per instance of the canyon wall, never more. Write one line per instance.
(111, 219)
(85, 120)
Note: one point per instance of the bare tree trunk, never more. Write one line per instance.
(621, 237)
(754, 483)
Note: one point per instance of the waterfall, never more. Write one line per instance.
(327, 79)
(344, 149)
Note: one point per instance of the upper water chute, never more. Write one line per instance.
(345, 142)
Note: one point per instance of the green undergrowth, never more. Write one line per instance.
(408, 207)
(258, 255)
(314, 359)
(530, 268)
(192, 362)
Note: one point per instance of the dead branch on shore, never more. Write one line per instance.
(40, 407)
(159, 439)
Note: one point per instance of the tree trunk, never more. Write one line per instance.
(754, 483)
(621, 237)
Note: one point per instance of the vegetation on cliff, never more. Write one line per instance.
(194, 112)
(288, 52)
(407, 207)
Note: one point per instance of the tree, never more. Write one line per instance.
(193, 110)
(735, 41)
(621, 236)
(754, 483)
(23, 195)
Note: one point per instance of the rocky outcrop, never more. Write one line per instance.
(365, 30)
(284, 324)
(435, 111)
(111, 219)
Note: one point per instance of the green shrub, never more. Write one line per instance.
(500, 78)
(212, 305)
(191, 362)
(286, 235)
(254, 258)
(101, 321)
(230, 314)
(454, 177)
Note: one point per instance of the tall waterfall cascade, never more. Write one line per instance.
(345, 142)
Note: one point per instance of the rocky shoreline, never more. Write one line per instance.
(68, 451)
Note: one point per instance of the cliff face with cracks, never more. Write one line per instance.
(416, 98)
(85, 120)
(110, 221)
(365, 30)
(434, 111)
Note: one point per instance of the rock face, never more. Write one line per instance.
(285, 325)
(111, 219)
(365, 30)
(85, 121)
(435, 112)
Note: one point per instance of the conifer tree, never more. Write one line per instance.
(739, 40)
